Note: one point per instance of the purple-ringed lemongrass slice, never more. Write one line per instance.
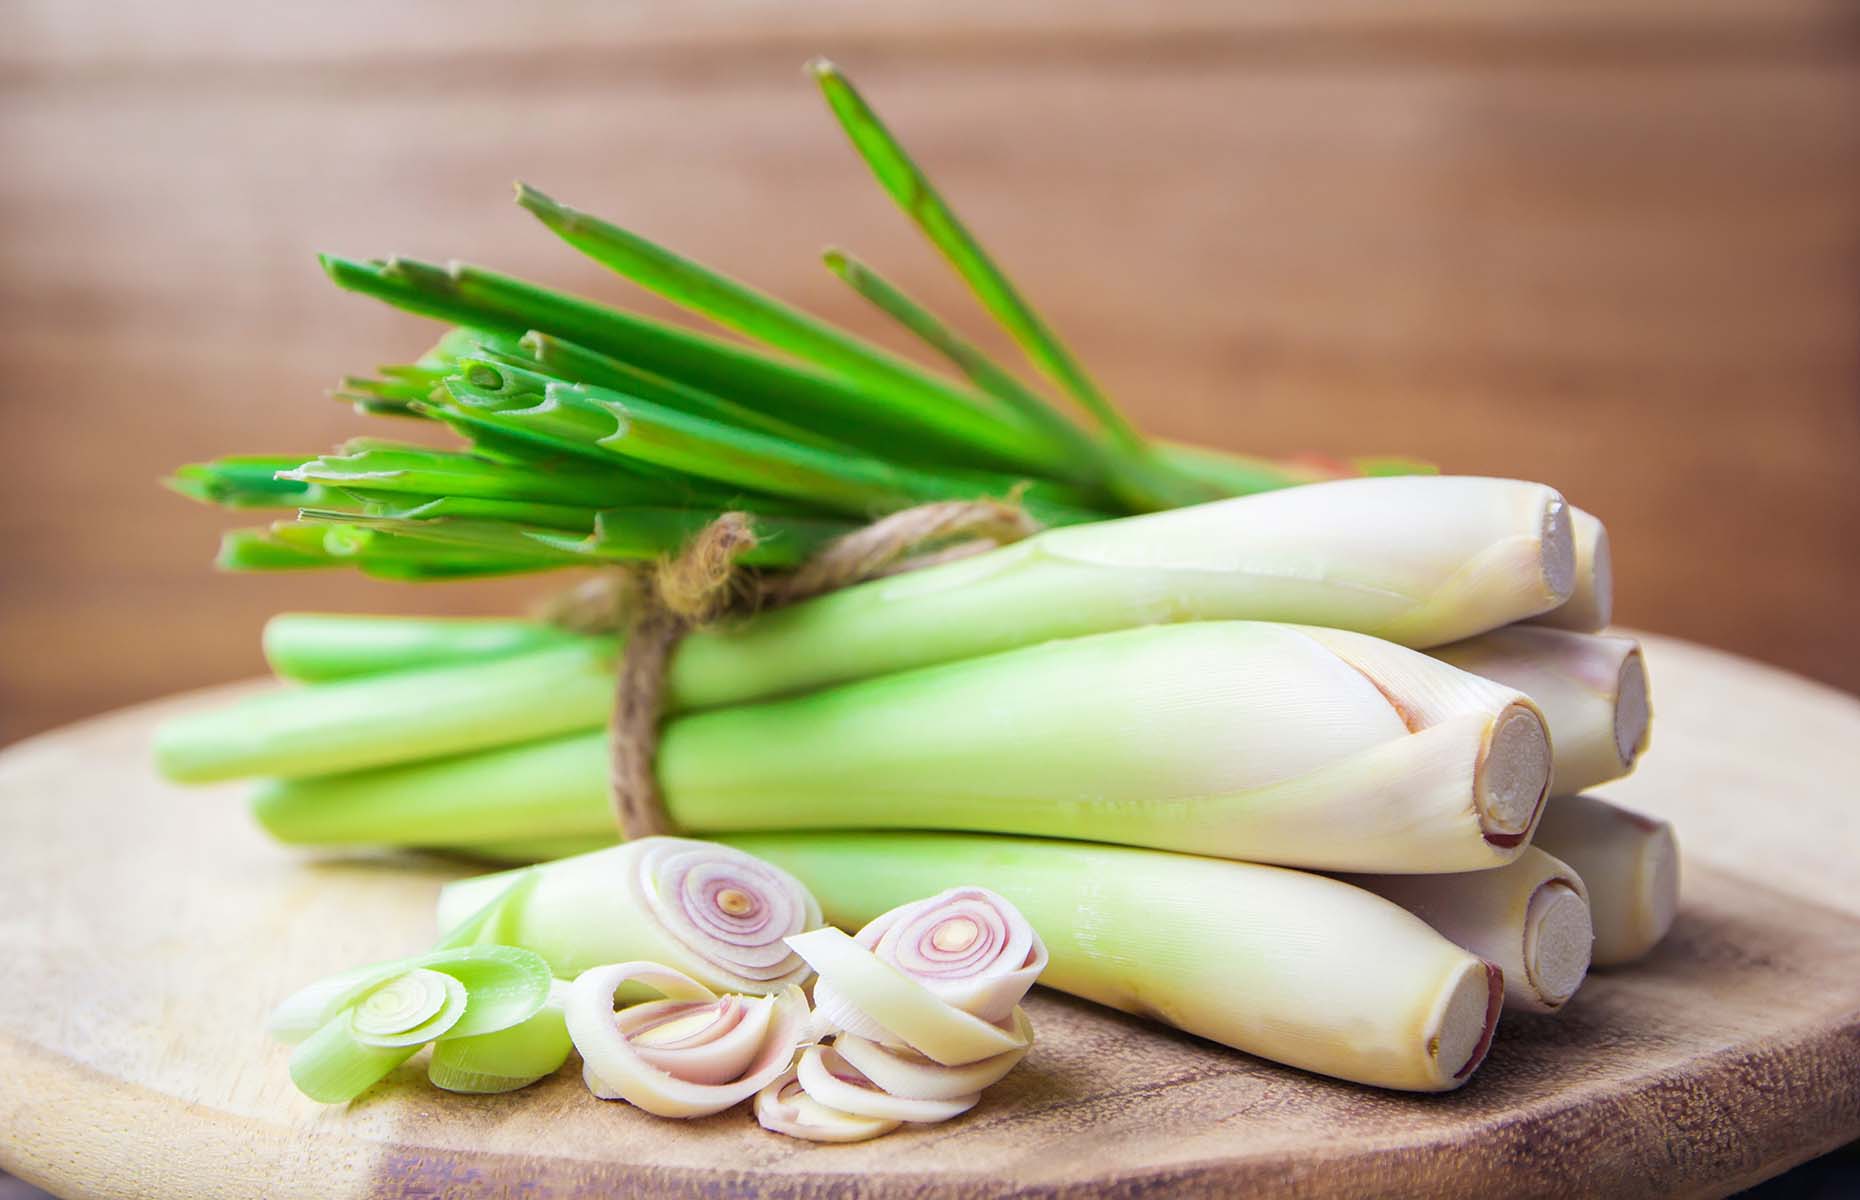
(836, 1083)
(785, 1107)
(911, 1076)
(712, 912)
(968, 946)
(698, 1054)
(905, 1010)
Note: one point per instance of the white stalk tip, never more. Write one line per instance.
(1591, 602)
(1530, 918)
(1630, 863)
(1514, 776)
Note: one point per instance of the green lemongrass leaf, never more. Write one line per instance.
(853, 485)
(914, 193)
(1246, 474)
(578, 364)
(318, 647)
(420, 471)
(507, 1059)
(470, 508)
(889, 382)
(245, 481)
(1134, 474)
(408, 1010)
(496, 540)
(468, 295)
(333, 1066)
(260, 550)
(386, 554)
(397, 390)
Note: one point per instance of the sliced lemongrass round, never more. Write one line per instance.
(968, 945)
(410, 1009)
(785, 1107)
(614, 1067)
(714, 913)
(700, 1042)
(507, 1059)
(503, 985)
(911, 1076)
(836, 1083)
(905, 1009)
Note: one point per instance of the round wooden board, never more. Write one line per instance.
(147, 930)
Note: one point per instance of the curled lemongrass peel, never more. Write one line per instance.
(785, 1107)
(905, 1011)
(909, 1075)
(1531, 917)
(1630, 863)
(1592, 689)
(709, 911)
(1591, 603)
(836, 1083)
(968, 946)
(690, 1056)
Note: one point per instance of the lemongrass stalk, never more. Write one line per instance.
(1270, 743)
(1592, 689)
(1630, 862)
(712, 913)
(1591, 604)
(1419, 560)
(405, 716)
(1531, 917)
(1273, 743)
(422, 472)
(245, 481)
(316, 647)
(1293, 967)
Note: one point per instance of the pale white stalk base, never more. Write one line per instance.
(1530, 917)
(1592, 690)
(1630, 862)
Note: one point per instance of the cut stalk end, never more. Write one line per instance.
(1559, 550)
(1558, 935)
(1467, 1016)
(1633, 711)
(1514, 776)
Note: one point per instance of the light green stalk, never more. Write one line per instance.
(317, 647)
(1293, 967)
(1418, 560)
(1262, 742)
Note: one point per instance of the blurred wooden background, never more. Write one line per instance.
(1614, 246)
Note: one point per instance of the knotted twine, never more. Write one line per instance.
(659, 603)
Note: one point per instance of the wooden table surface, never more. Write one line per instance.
(146, 930)
(1610, 244)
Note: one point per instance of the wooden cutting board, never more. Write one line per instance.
(146, 930)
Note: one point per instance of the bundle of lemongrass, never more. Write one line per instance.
(1197, 676)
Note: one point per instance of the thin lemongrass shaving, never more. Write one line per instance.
(903, 1007)
(615, 1068)
(836, 1083)
(910, 1076)
(785, 1107)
